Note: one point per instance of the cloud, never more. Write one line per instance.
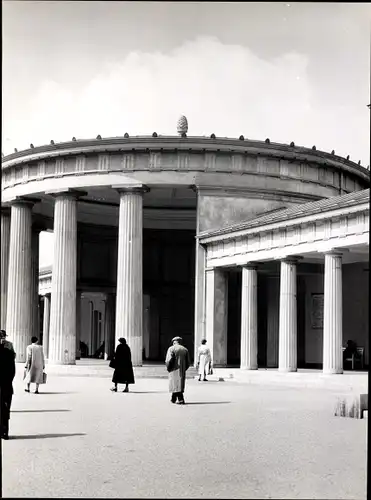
(222, 89)
(225, 89)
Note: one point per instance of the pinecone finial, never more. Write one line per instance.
(182, 125)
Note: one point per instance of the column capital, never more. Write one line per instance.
(138, 189)
(67, 192)
(252, 266)
(23, 200)
(291, 259)
(336, 252)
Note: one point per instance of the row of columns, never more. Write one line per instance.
(19, 278)
(216, 316)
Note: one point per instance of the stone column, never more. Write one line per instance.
(109, 326)
(273, 297)
(217, 315)
(129, 299)
(78, 324)
(62, 346)
(19, 313)
(5, 241)
(249, 318)
(200, 297)
(287, 350)
(46, 324)
(35, 312)
(333, 315)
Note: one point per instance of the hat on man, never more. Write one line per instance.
(3, 334)
(177, 339)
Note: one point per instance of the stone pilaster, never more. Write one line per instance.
(35, 312)
(109, 326)
(273, 294)
(78, 324)
(287, 356)
(62, 345)
(249, 318)
(19, 313)
(46, 324)
(217, 315)
(333, 315)
(129, 299)
(5, 242)
(200, 297)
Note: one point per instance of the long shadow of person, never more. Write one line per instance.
(208, 403)
(46, 436)
(36, 411)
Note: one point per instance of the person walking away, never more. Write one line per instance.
(123, 366)
(177, 363)
(204, 361)
(7, 374)
(35, 365)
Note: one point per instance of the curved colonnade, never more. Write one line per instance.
(131, 183)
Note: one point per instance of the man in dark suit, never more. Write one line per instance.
(7, 373)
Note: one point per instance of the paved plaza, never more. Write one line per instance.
(77, 439)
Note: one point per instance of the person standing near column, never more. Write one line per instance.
(204, 361)
(7, 373)
(123, 366)
(177, 363)
(35, 365)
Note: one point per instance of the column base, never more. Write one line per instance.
(287, 370)
(333, 371)
(249, 368)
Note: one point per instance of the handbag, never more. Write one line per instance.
(210, 370)
(45, 377)
(171, 364)
(112, 363)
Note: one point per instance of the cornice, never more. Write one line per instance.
(204, 238)
(147, 144)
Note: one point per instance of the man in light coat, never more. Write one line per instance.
(177, 363)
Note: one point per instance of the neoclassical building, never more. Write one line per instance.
(261, 248)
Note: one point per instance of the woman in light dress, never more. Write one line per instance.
(204, 361)
(35, 365)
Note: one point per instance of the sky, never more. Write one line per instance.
(288, 71)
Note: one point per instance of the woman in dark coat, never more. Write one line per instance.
(121, 362)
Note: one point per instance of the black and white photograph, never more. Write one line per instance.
(185, 203)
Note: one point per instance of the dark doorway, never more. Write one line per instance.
(234, 318)
(168, 279)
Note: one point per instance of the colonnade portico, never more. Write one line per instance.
(61, 312)
(216, 315)
(99, 239)
(233, 248)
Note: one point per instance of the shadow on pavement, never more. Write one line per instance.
(35, 411)
(208, 403)
(46, 436)
(64, 392)
(148, 392)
